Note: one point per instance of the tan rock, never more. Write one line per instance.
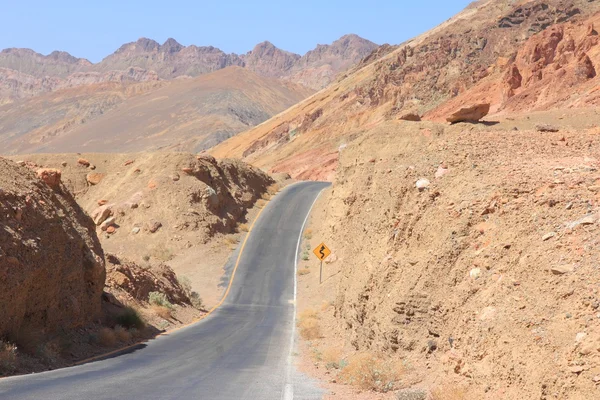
(100, 214)
(102, 202)
(50, 176)
(84, 162)
(470, 113)
(94, 178)
(188, 170)
(410, 116)
(111, 229)
(128, 162)
(562, 269)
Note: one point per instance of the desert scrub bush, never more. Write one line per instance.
(448, 392)
(230, 240)
(122, 334)
(106, 337)
(146, 257)
(163, 253)
(159, 299)
(8, 358)
(186, 284)
(303, 272)
(308, 234)
(333, 358)
(196, 301)
(243, 228)
(260, 203)
(308, 323)
(369, 372)
(305, 256)
(130, 319)
(162, 311)
(273, 189)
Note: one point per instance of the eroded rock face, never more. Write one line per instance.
(51, 263)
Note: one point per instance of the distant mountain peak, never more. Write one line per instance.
(171, 46)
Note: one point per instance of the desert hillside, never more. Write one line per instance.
(516, 56)
(187, 114)
(101, 251)
(464, 261)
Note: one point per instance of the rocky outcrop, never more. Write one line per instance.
(470, 113)
(138, 281)
(51, 263)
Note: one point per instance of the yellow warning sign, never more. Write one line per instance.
(322, 251)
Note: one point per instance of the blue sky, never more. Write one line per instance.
(93, 29)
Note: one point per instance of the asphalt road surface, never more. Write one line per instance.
(241, 351)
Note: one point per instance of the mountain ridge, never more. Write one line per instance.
(24, 72)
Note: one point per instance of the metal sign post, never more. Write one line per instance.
(322, 252)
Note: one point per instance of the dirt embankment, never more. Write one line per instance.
(484, 281)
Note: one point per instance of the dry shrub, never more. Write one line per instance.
(303, 271)
(243, 227)
(260, 203)
(107, 337)
(266, 196)
(122, 334)
(230, 240)
(163, 253)
(273, 189)
(308, 234)
(308, 322)
(130, 318)
(333, 358)
(8, 358)
(162, 311)
(448, 392)
(369, 372)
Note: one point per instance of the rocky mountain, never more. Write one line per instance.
(519, 56)
(182, 114)
(25, 73)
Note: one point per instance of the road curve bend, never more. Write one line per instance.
(241, 351)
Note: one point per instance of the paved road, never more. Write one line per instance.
(241, 351)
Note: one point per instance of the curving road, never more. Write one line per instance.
(241, 351)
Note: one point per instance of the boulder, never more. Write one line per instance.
(546, 128)
(153, 226)
(94, 178)
(471, 113)
(422, 184)
(100, 214)
(107, 223)
(410, 116)
(50, 176)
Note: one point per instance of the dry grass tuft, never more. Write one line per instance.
(122, 334)
(369, 372)
(273, 189)
(308, 322)
(107, 337)
(448, 393)
(243, 228)
(333, 358)
(260, 203)
(308, 234)
(162, 311)
(230, 240)
(8, 358)
(163, 253)
(304, 271)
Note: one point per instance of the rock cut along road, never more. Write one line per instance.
(241, 351)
